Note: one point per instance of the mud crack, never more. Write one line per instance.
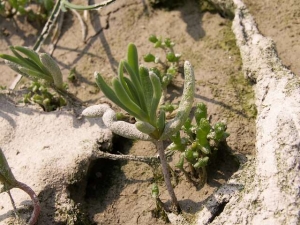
(218, 210)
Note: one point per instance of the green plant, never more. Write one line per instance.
(170, 64)
(44, 72)
(160, 210)
(139, 94)
(34, 66)
(200, 142)
(72, 75)
(166, 69)
(39, 94)
(8, 181)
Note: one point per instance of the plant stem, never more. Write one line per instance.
(165, 170)
(35, 200)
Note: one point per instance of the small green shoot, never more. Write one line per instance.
(166, 69)
(200, 142)
(72, 75)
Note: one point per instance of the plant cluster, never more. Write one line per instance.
(139, 94)
(200, 142)
(40, 67)
(39, 94)
(139, 91)
(166, 69)
(43, 71)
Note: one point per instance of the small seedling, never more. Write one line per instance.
(72, 75)
(170, 64)
(160, 210)
(167, 72)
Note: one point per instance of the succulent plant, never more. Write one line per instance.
(139, 94)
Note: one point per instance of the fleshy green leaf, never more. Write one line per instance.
(157, 92)
(132, 58)
(127, 101)
(147, 87)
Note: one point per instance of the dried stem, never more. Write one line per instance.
(145, 159)
(82, 24)
(48, 26)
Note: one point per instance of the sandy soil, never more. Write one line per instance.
(203, 38)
